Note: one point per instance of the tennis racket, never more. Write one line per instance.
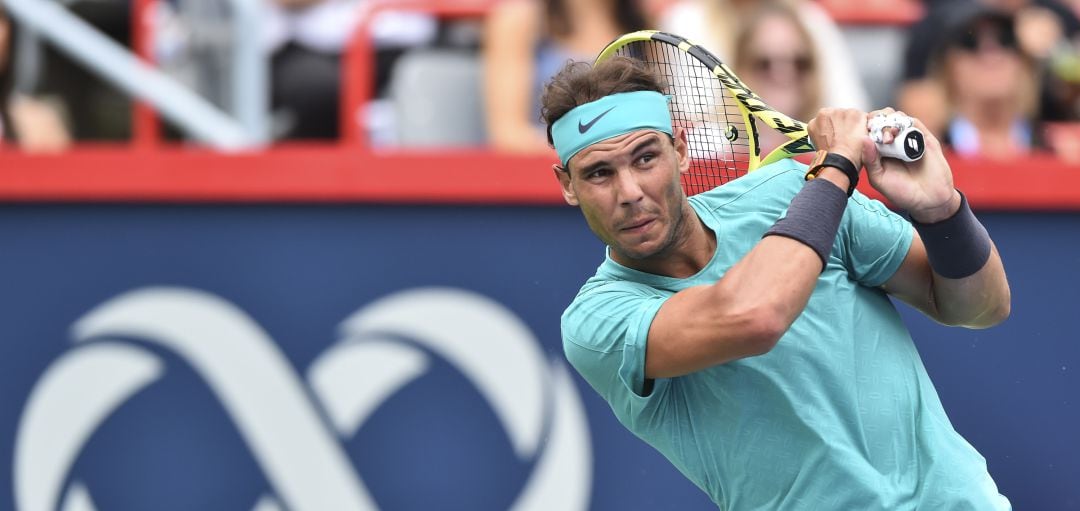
(720, 113)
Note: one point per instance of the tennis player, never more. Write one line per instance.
(746, 333)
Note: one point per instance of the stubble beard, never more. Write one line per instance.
(677, 214)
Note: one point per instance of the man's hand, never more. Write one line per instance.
(840, 131)
(978, 297)
(923, 188)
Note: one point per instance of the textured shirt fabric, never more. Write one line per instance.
(839, 415)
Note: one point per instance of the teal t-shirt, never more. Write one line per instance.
(839, 415)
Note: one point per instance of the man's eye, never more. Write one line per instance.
(597, 174)
(647, 157)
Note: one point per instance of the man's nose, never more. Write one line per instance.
(629, 187)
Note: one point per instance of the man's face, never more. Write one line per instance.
(629, 190)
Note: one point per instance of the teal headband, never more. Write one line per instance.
(607, 117)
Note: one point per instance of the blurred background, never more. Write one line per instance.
(309, 254)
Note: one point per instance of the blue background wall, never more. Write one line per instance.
(300, 270)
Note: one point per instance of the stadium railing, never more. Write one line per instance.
(351, 170)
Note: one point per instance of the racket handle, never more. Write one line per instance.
(908, 145)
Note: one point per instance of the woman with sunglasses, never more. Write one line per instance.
(716, 24)
(774, 55)
(990, 87)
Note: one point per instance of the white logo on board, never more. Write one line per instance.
(299, 452)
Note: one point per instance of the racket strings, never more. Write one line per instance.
(718, 135)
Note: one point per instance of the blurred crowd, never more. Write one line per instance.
(991, 78)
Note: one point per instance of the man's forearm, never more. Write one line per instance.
(969, 286)
(980, 300)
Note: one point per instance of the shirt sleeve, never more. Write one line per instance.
(874, 240)
(605, 334)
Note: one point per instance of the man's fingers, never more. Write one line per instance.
(870, 157)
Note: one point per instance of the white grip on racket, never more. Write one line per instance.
(907, 145)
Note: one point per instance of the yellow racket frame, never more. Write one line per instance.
(750, 105)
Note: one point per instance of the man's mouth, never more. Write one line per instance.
(638, 225)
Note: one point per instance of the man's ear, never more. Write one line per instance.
(682, 149)
(563, 175)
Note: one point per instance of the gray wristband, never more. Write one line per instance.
(958, 246)
(813, 217)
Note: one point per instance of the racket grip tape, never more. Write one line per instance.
(908, 145)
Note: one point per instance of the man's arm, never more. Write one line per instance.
(980, 300)
(747, 311)
(952, 271)
(741, 315)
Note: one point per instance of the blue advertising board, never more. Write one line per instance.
(406, 358)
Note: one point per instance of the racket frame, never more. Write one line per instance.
(750, 105)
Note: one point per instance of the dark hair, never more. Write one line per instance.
(578, 83)
(629, 16)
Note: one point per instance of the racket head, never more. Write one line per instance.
(718, 111)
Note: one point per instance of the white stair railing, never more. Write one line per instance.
(247, 127)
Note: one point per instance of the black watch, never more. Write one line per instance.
(826, 159)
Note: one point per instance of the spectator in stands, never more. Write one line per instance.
(304, 41)
(306, 38)
(989, 84)
(31, 124)
(88, 107)
(715, 23)
(526, 42)
(1040, 23)
(1045, 30)
(774, 55)
(7, 37)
